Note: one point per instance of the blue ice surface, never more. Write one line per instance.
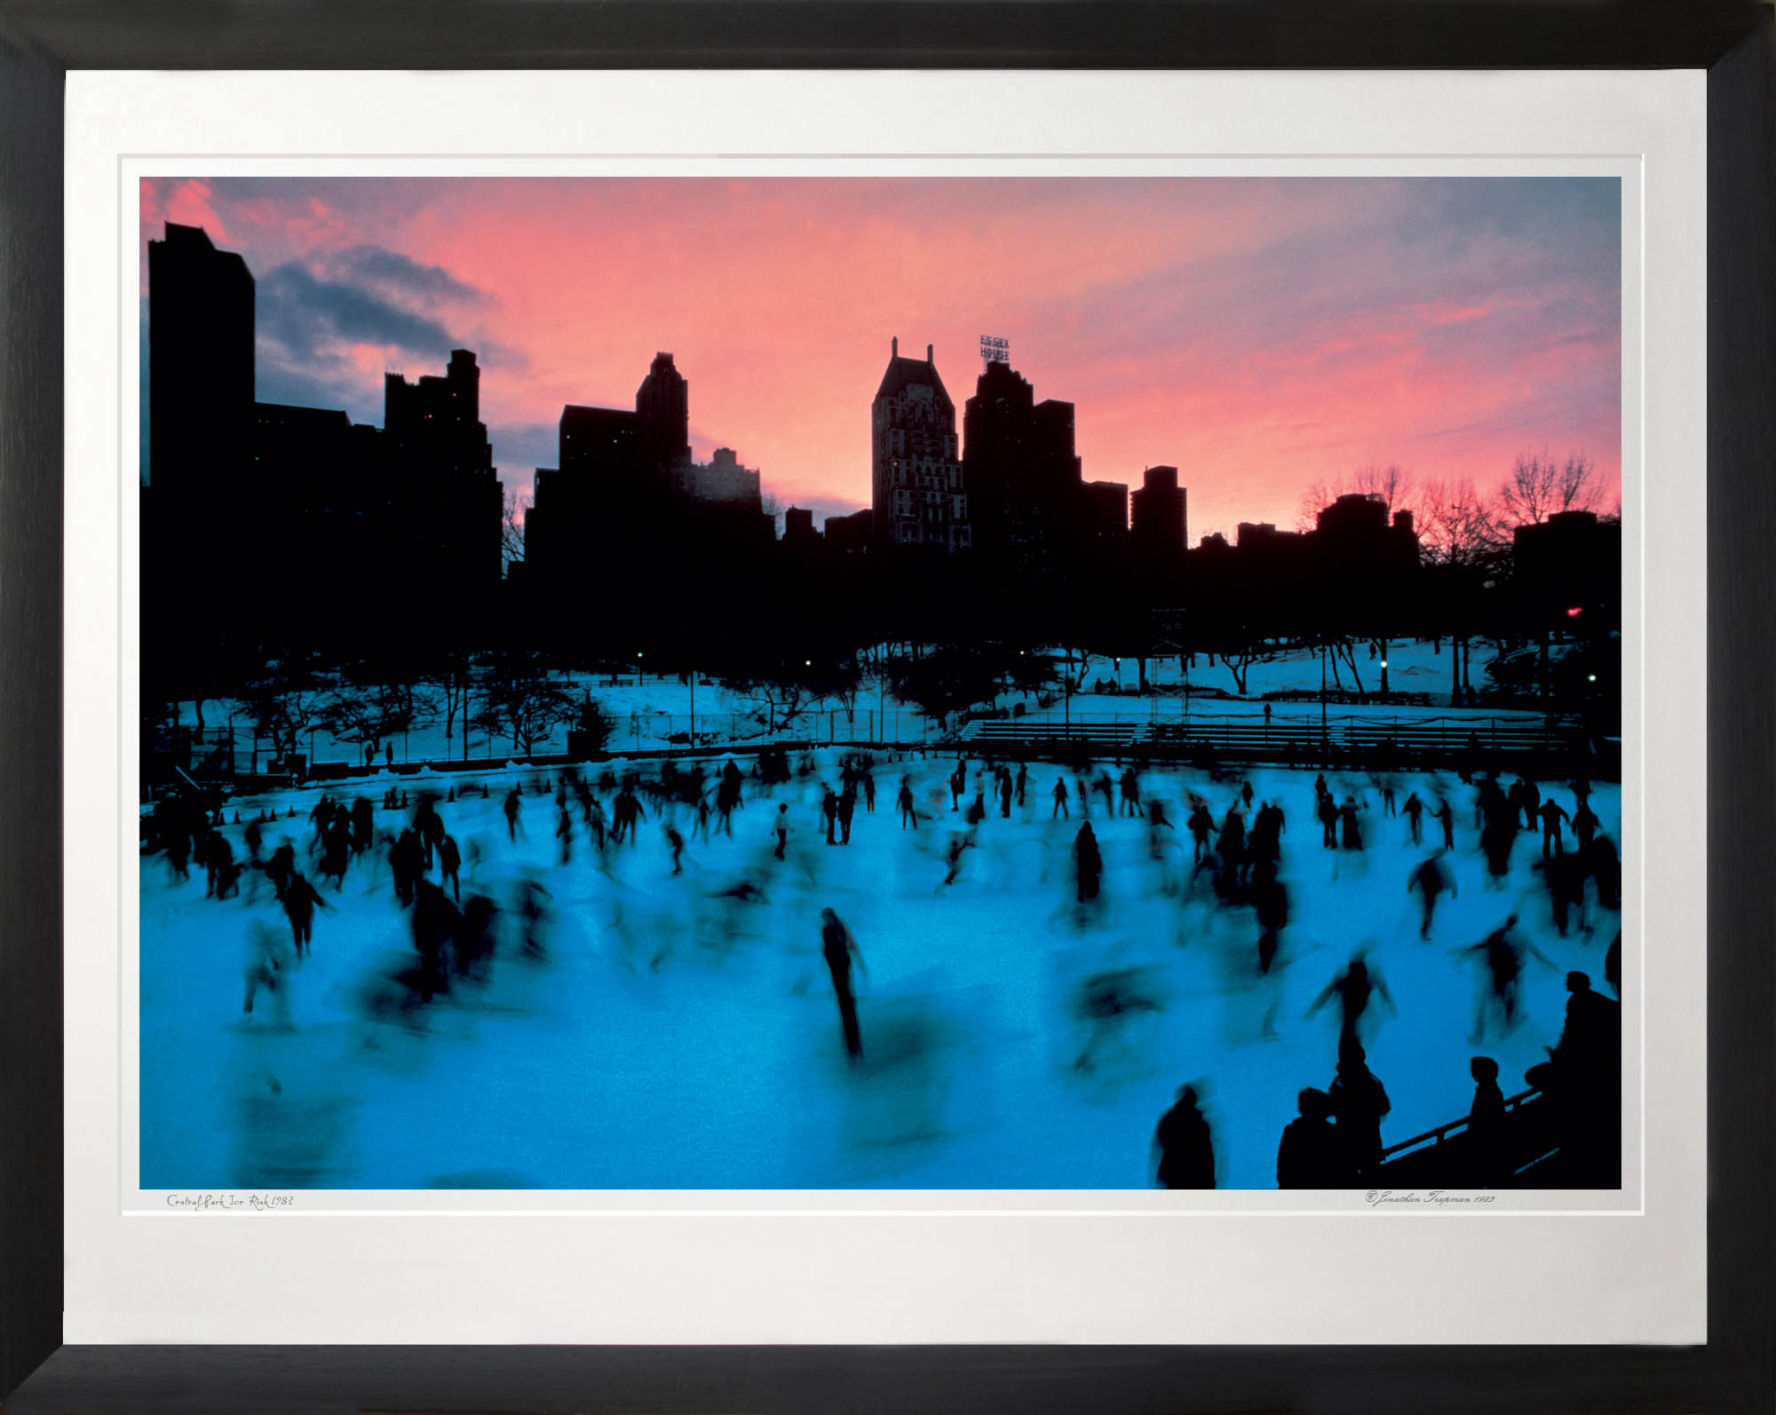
(673, 1038)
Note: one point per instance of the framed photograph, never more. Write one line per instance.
(1061, 708)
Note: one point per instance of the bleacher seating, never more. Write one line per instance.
(1345, 740)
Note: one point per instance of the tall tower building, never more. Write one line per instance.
(998, 434)
(201, 488)
(200, 367)
(916, 476)
(451, 497)
(662, 408)
(1022, 474)
(1159, 516)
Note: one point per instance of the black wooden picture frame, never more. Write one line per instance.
(1733, 39)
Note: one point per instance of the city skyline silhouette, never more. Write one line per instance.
(1261, 336)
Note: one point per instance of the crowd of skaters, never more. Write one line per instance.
(1236, 865)
(1335, 1139)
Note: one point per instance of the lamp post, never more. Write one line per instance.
(638, 668)
(1325, 741)
(693, 707)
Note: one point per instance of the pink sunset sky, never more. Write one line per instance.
(1261, 335)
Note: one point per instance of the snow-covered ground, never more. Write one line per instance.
(652, 711)
(676, 1037)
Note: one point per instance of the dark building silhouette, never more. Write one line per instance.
(798, 527)
(849, 535)
(200, 367)
(625, 501)
(1571, 561)
(446, 487)
(269, 527)
(917, 490)
(594, 504)
(201, 501)
(662, 413)
(1355, 531)
(1159, 526)
(1022, 475)
(722, 481)
(604, 442)
(1262, 536)
(1106, 511)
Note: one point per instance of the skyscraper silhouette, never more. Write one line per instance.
(916, 475)
(1159, 526)
(662, 411)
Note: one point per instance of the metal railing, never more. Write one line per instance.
(226, 753)
(1430, 1139)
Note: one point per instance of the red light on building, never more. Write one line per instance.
(1573, 613)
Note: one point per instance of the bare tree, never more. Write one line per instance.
(1540, 487)
(1392, 485)
(285, 699)
(450, 672)
(370, 714)
(1343, 649)
(512, 531)
(1456, 526)
(524, 699)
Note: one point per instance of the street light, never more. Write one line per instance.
(1324, 739)
(638, 668)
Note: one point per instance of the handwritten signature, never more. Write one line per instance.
(258, 1203)
(1423, 1196)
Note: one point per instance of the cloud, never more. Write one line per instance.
(335, 384)
(520, 446)
(304, 314)
(400, 277)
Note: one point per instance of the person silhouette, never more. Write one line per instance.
(1088, 863)
(1431, 879)
(904, 801)
(300, 902)
(1485, 1148)
(450, 864)
(1553, 815)
(1184, 1145)
(1359, 1104)
(1202, 826)
(1414, 813)
(1584, 824)
(1310, 1155)
(1503, 951)
(1353, 988)
(839, 948)
(1270, 901)
(1350, 828)
(1444, 815)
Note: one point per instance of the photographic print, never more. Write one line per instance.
(904, 683)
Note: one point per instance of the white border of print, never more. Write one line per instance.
(945, 1267)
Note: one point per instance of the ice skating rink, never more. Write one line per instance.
(681, 1031)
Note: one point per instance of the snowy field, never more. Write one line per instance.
(673, 1035)
(651, 710)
